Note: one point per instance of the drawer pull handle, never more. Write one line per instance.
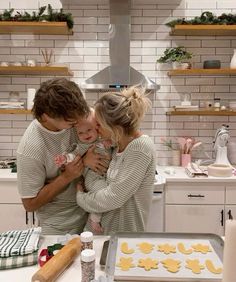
(222, 218)
(230, 214)
(196, 196)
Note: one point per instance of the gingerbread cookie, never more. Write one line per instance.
(210, 266)
(172, 265)
(145, 247)
(201, 248)
(125, 263)
(148, 263)
(125, 249)
(166, 248)
(194, 265)
(183, 250)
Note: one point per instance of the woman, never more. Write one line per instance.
(124, 197)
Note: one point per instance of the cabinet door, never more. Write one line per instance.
(194, 218)
(12, 216)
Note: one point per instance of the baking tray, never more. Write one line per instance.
(161, 274)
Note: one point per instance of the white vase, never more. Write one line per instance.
(233, 61)
(181, 65)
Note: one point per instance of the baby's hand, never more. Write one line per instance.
(107, 143)
(60, 160)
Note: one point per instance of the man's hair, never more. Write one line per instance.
(60, 98)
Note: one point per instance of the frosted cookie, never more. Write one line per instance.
(125, 249)
(210, 266)
(194, 265)
(172, 265)
(183, 250)
(145, 247)
(148, 263)
(125, 263)
(201, 248)
(166, 249)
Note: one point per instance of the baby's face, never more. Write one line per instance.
(87, 132)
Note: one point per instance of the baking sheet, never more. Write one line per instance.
(161, 274)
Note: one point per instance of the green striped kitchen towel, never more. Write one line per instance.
(19, 242)
(19, 261)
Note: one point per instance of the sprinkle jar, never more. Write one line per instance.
(87, 265)
(86, 240)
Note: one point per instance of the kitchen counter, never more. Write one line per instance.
(178, 174)
(73, 273)
(7, 175)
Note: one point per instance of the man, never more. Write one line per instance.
(58, 106)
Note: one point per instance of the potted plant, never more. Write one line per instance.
(178, 56)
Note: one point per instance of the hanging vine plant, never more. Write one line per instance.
(206, 18)
(50, 16)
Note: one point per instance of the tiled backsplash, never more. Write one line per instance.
(86, 52)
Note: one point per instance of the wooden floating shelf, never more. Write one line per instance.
(222, 71)
(15, 111)
(56, 28)
(203, 112)
(38, 70)
(203, 30)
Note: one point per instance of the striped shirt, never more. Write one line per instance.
(35, 165)
(124, 197)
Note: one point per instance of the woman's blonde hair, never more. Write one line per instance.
(121, 113)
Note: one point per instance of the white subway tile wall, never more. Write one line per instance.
(86, 52)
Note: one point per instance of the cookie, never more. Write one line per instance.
(183, 250)
(194, 265)
(210, 266)
(125, 249)
(172, 265)
(125, 263)
(166, 248)
(201, 248)
(148, 263)
(145, 247)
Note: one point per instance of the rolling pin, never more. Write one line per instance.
(58, 263)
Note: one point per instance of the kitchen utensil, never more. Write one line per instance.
(57, 264)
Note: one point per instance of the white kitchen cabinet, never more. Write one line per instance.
(230, 202)
(12, 213)
(194, 207)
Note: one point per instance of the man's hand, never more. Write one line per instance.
(74, 169)
(95, 161)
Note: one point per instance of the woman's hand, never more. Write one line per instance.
(79, 187)
(95, 161)
(74, 169)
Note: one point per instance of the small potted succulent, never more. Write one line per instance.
(178, 56)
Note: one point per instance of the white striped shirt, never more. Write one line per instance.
(35, 165)
(124, 197)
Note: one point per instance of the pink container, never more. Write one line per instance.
(185, 159)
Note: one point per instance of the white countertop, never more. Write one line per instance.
(73, 273)
(178, 174)
(7, 175)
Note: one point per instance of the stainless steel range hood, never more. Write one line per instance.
(119, 74)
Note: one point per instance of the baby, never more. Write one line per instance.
(88, 135)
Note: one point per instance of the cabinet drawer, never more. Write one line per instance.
(230, 195)
(194, 194)
(9, 192)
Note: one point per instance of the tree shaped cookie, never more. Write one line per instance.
(125, 249)
(148, 263)
(145, 247)
(166, 248)
(172, 265)
(125, 263)
(201, 248)
(210, 266)
(183, 250)
(194, 265)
